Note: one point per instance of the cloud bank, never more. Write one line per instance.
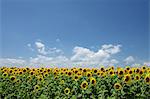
(81, 57)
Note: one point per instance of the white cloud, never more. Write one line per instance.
(81, 57)
(11, 62)
(102, 56)
(129, 60)
(40, 47)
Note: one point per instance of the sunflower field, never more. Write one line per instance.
(75, 83)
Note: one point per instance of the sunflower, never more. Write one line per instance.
(92, 80)
(98, 73)
(5, 74)
(120, 72)
(79, 73)
(130, 71)
(76, 77)
(88, 74)
(141, 72)
(20, 72)
(69, 73)
(10, 71)
(102, 69)
(112, 67)
(111, 72)
(147, 79)
(56, 77)
(137, 77)
(46, 74)
(127, 68)
(18, 81)
(127, 78)
(84, 85)
(76, 71)
(103, 74)
(36, 87)
(12, 78)
(40, 78)
(137, 70)
(24, 70)
(29, 77)
(95, 70)
(117, 86)
(32, 72)
(67, 91)
(144, 67)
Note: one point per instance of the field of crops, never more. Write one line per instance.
(75, 83)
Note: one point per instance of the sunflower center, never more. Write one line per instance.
(31, 73)
(67, 91)
(88, 75)
(111, 72)
(69, 73)
(76, 71)
(10, 71)
(93, 81)
(95, 71)
(137, 77)
(130, 72)
(147, 79)
(141, 72)
(13, 78)
(76, 77)
(121, 72)
(137, 70)
(84, 85)
(117, 86)
(102, 69)
(127, 78)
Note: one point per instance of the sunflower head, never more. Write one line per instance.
(111, 72)
(40, 78)
(67, 91)
(127, 68)
(5, 74)
(92, 80)
(11, 71)
(147, 79)
(84, 85)
(112, 67)
(144, 67)
(137, 77)
(130, 71)
(36, 87)
(95, 70)
(127, 78)
(88, 74)
(69, 73)
(102, 69)
(45, 74)
(117, 86)
(12, 78)
(120, 72)
(76, 77)
(141, 72)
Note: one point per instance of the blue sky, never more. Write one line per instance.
(65, 24)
